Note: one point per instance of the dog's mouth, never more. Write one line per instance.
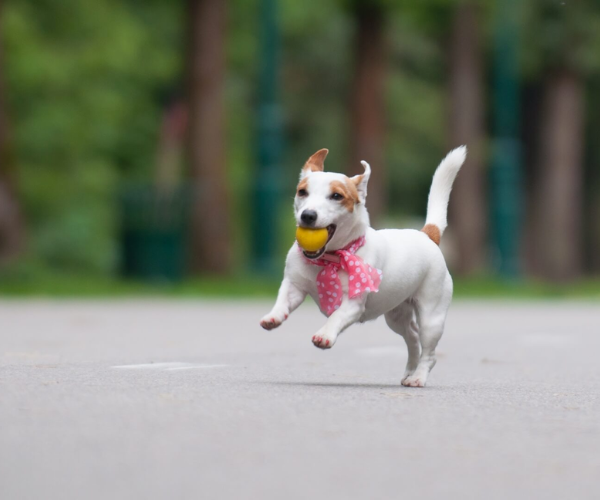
(315, 255)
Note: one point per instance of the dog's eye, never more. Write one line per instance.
(337, 197)
(302, 193)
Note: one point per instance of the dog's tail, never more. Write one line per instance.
(439, 194)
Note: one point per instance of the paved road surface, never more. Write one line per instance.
(192, 400)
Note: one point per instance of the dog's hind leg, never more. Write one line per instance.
(402, 320)
(431, 309)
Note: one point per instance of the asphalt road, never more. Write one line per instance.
(192, 400)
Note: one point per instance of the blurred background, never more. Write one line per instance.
(155, 145)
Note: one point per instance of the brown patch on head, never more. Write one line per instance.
(433, 232)
(356, 180)
(348, 191)
(316, 163)
(303, 184)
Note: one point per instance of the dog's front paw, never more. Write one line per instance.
(323, 341)
(271, 321)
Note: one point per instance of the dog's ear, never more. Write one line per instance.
(361, 181)
(316, 163)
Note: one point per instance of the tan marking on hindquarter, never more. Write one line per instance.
(348, 191)
(433, 232)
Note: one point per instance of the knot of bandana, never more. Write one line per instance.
(362, 278)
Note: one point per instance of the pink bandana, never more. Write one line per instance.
(362, 278)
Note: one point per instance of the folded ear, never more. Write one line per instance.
(361, 181)
(316, 163)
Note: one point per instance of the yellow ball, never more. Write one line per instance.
(311, 239)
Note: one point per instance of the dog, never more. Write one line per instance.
(409, 282)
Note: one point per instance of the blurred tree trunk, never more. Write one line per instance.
(468, 209)
(11, 221)
(367, 105)
(594, 229)
(171, 141)
(206, 148)
(557, 190)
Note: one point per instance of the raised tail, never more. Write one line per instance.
(439, 194)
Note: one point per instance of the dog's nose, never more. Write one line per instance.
(309, 217)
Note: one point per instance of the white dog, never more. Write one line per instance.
(407, 266)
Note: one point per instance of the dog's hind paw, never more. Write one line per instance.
(413, 381)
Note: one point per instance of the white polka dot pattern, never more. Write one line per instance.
(364, 278)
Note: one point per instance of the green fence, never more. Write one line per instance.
(154, 233)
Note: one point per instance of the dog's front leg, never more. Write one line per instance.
(348, 313)
(288, 299)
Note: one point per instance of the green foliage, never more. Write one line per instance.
(87, 83)
(317, 76)
(83, 84)
(558, 33)
(415, 111)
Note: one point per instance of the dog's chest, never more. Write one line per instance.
(311, 278)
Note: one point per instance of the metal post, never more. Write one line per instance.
(267, 186)
(506, 176)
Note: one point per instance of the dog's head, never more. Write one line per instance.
(332, 201)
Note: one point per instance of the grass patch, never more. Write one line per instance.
(45, 284)
(490, 287)
(75, 286)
